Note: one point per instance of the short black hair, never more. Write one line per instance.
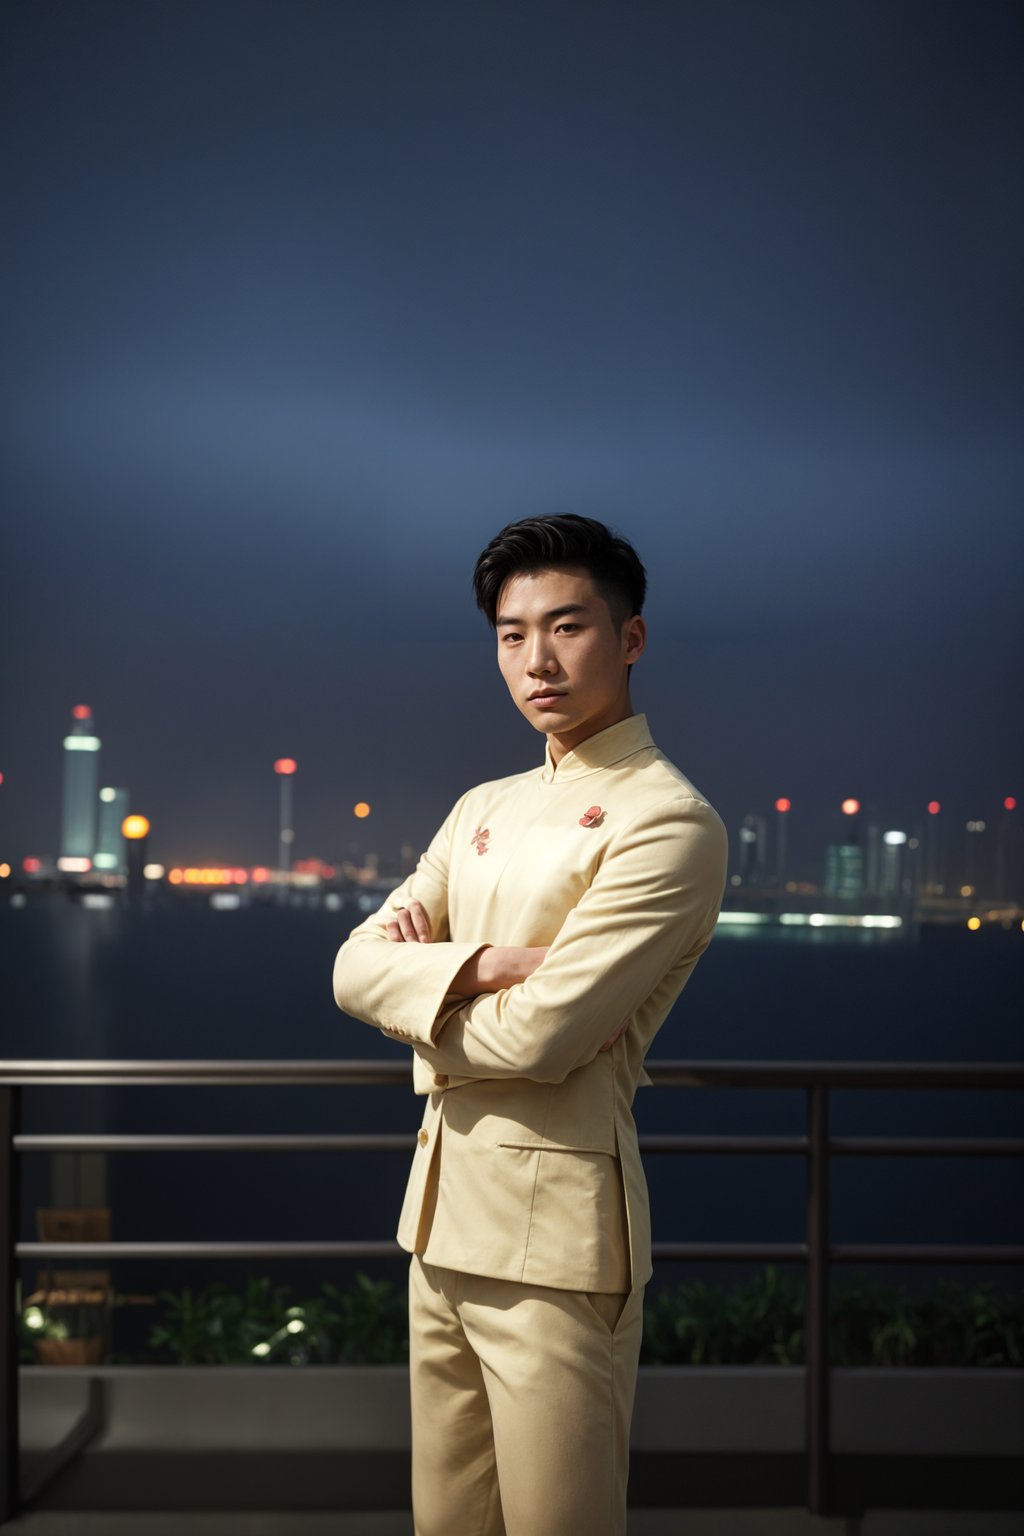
(562, 539)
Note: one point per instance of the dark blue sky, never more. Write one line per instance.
(301, 301)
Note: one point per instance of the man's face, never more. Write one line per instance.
(556, 635)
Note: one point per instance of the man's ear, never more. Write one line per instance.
(636, 638)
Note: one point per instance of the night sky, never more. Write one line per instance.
(302, 301)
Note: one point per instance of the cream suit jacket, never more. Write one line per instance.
(527, 1165)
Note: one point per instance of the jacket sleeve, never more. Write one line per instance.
(651, 908)
(401, 987)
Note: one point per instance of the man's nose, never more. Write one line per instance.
(539, 657)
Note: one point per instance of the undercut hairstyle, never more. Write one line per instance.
(535, 543)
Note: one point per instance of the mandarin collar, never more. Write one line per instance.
(598, 751)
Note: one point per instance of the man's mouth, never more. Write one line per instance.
(548, 696)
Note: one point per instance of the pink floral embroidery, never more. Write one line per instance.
(591, 817)
(479, 839)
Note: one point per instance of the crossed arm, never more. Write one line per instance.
(473, 1009)
(491, 969)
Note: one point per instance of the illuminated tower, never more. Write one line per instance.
(753, 849)
(844, 862)
(110, 849)
(285, 767)
(81, 769)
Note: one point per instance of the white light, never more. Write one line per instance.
(105, 861)
(894, 839)
(74, 866)
(108, 794)
(153, 871)
(748, 835)
(225, 901)
(82, 743)
(99, 901)
(744, 917)
(261, 1349)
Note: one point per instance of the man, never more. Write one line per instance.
(529, 960)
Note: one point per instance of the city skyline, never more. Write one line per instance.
(308, 301)
(953, 856)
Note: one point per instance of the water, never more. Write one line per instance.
(193, 983)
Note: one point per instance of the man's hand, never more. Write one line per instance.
(490, 970)
(412, 924)
(497, 966)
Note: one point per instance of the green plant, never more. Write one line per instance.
(760, 1320)
(756, 1321)
(217, 1326)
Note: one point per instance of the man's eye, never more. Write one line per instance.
(568, 626)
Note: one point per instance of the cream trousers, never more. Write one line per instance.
(522, 1397)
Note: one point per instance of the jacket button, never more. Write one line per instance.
(440, 1079)
(422, 1138)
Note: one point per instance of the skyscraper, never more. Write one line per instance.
(78, 811)
(110, 850)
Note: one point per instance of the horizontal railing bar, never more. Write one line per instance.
(784, 1145)
(927, 1146)
(166, 1073)
(398, 1142)
(927, 1253)
(840, 1253)
(838, 1074)
(790, 1253)
(697, 1074)
(212, 1250)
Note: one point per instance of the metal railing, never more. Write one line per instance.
(816, 1252)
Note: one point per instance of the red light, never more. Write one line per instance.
(1009, 804)
(260, 876)
(1, 778)
(81, 712)
(850, 807)
(934, 807)
(285, 765)
(782, 804)
(30, 866)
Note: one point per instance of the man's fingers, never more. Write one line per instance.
(410, 924)
(420, 920)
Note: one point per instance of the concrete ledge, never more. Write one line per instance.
(202, 1440)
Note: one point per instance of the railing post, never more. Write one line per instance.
(816, 1311)
(10, 1231)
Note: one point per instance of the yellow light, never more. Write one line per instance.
(5, 870)
(176, 876)
(134, 826)
(974, 923)
(361, 809)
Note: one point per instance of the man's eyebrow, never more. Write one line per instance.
(552, 613)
